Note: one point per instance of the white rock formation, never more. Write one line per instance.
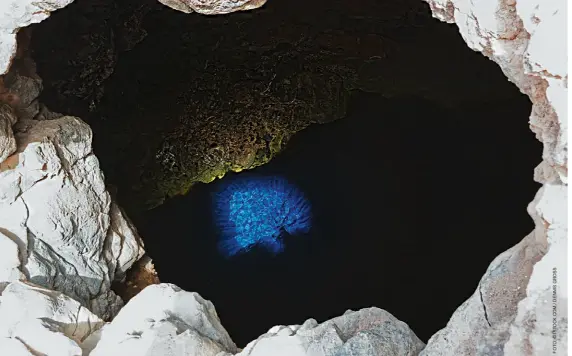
(213, 7)
(39, 321)
(367, 332)
(165, 320)
(511, 312)
(527, 39)
(7, 139)
(55, 209)
(16, 14)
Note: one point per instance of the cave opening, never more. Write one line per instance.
(396, 224)
(418, 177)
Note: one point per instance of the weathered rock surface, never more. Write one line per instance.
(213, 7)
(15, 14)
(488, 322)
(54, 207)
(527, 40)
(140, 275)
(165, 320)
(511, 312)
(243, 92)
(7, 139)
(367, 332)
(38, 321)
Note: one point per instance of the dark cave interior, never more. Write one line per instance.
(418, 178)
(411, 230)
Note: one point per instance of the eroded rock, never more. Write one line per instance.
(7, 139)
(367, 332)
(165, 320)
(15, 14)
(43, 321)
(55, 208)
(520, 306)
(213, 7)
(139, 276)
(527, 40)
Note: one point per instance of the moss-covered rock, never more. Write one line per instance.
(204, 95)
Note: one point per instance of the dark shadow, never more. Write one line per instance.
(412, 197)
(411, 203)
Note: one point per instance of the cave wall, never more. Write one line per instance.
(295, 73)
(512, 308)
(53, 199)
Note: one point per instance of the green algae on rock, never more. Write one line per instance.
(243, 133)
(200, 96)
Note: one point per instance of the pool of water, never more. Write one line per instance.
(410, 203)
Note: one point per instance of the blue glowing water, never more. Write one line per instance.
(252, 211)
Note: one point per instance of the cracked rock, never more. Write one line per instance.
(42, 321)
(367, 332)
(165, 320)
(54, 206)
(7, 139)
(15, 14)
(510, 313)
(213, 7)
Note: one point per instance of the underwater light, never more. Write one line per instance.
(252, 210)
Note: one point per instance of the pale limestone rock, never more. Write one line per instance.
(527, 39)
(45, 336)
(367, 332)
(14, 347)
(123, 246)
(27, 89)
(7, 139)
(9, 261)
(55, 207)
(538, 328)
(15, 14)
(511, 311)
(479, 325)
(164, 320)
(43, 321)
(213, 7)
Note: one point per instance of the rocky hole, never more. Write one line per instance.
(413, 151)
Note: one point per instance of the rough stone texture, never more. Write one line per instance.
(165, 320)
(527, 40)
(243, 92)
(367, 332)
(102, 30)
(54, 207)
(19, 90)
(486, 321)
(38, 321)
(139, 276)
(213, 7)
(511, 312)
(7, 140)
(15, 14)
(10, 263)
(546, 303)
